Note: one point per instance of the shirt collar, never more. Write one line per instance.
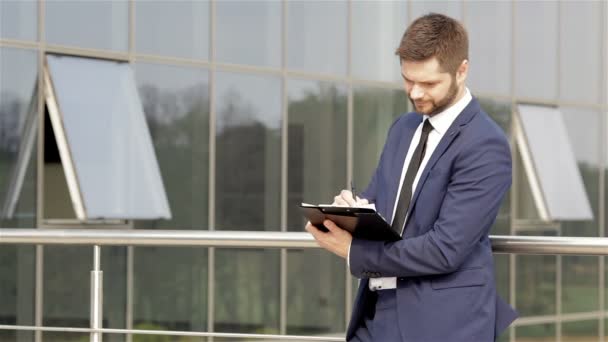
(442, 121)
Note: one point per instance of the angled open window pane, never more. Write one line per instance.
(550, 164)
(24, 155)
(103, 139)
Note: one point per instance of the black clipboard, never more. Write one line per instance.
(362, 223)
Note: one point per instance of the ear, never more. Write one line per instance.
(462, 72)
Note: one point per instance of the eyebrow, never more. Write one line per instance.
(407, 79)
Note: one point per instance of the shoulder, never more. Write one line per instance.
(404, 122)
(482, 129)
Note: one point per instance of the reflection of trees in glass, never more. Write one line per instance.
(316, 171)
(247, 291)
(316, 148)
(170, 286)
(179, 125)
(374, 111)
(248, 167)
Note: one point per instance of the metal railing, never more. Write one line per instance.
(237, 239)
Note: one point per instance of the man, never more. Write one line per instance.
(440, 180)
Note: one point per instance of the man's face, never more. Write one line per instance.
(429, 89)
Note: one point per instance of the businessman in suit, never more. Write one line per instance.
(440, 181)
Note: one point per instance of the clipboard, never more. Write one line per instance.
(362, 223)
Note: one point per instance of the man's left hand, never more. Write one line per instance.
(336, 240)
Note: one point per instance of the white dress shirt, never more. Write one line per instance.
(441, 122)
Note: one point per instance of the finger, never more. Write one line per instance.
(347, 196)
(331, 226)
(339, 201)
(362, 201)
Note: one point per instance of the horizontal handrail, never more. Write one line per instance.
(560, 245)
(172, 333)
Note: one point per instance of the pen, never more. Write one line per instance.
(352, 189)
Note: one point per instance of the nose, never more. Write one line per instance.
(416, 92)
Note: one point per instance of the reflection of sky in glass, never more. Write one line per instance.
(300, 89)
(580, 59)
(18, 19)
(17, 81)
(489, 28)
(175, 28)
(448, 7)
(178, 88)
(317, 36)
(249, 32)
(91, 24)
(252, 98)
(536, 49)
(377, 29)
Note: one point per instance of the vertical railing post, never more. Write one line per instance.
(96, 295)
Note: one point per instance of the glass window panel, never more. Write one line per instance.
(374, 111)
(581, 331)
(559, 180)
(170, 289)
(114, 267)
(176, 104)
(19, 19)
(581, 49)
(316, 145)
(502, 277)
(65, 337)
(248, 146)
(17, 282)
(249, 32)
(447, 7)
(489, 27)
(183, 30)
(315, 293)
(247, 291)
(584, 131)
(88, 24)
(67, 279)
(535, 282)
(525, 206)
(317, 36)
(377, 27)
(580, 281)
(536, 49)
(18, 72)
(536, 333)
(100, 122)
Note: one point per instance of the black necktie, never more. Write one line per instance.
(412, 169)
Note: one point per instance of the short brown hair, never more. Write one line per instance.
(435, 35)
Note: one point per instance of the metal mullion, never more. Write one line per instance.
(170, 60)
(39, 271)
(130, 257)
(88, 52)
(514, 175)
(131, 43)
(349, 150)
(20, 44)
(212, 170)
(284, 171)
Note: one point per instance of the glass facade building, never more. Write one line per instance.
(255, 106)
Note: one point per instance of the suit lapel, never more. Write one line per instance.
(463, 118)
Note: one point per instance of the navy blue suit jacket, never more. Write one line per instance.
(444, 264)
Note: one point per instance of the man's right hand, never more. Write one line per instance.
(345, 199)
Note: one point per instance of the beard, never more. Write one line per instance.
(438, 106)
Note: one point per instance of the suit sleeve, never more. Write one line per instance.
(481, 175)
